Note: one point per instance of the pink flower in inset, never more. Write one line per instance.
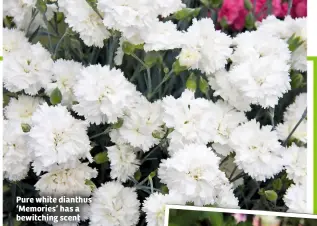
(239, 217)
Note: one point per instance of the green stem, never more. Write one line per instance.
(59, 43)
(166, 77)
(151, 184)
(29, 26)
(232, 173)
(148, 71)
(224, 160)
(241, 175)
(296, 126)
(103, 133)
(48, 33)
(290, 5)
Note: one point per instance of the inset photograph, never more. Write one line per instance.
(195, 216)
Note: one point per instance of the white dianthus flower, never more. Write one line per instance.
(80, 16)
(69, 181)
(263, 80)
(255, 45)
(14, 40)
(227, 119)
(220, 82)
(163, 36)
(284, 30)
(123, 162)
(296, 199)
(189, 57)
(296, 109)
(188, 117)
(276, 27)
(16, 160)
(154, 206)
(258, 152)
(296, 166)
(167, 7)
(27, 72)
(21, 11)
(129, 17)
(139, 124)
(22, 108)
(114, 205)
(65, 74)
(194, 173)
(284, 130)
(57, 138)
(213, 46)
(227, 199)
(292, 115)
(103, 94)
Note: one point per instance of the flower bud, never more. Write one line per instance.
(203, 85)
(56, 96)
(191, 82)
(25, 127)
(101, 157)
(271, 195)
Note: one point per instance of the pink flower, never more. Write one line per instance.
(256, 221)
(279, 9)
(299, 8)
(234, 12)
(230, 10)
(239, 217)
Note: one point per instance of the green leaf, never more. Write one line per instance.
(297, 81)
(41, 6)
(261, 191)
(216, 3)
(91, 185)
(152, 174)
(164, 189)
(5, 188)
(137, 175)
(216, 219)
(101, 157)
(56, 96)
(25, 127)
(223, 23)
(277, 184)
(128, 48)
(157, 134)
(186, 14)
(60, 17)
(248, 5)
(294, 42)
(6, 100)
(271, 195)
(189, 204)
(203, 85)
(118, 124)
(177, 68)
(191, 82)
(152, 58)
(249, 21)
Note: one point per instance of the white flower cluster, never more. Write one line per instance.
(195, 133)
(28, 73)
(23, 11)
(285, 30)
